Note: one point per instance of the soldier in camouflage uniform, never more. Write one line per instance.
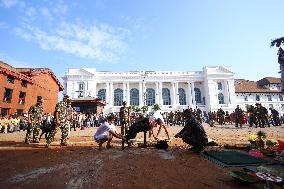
(34, 121)
(72, 115)
(124, 116)
(61, 122)
(70, 112)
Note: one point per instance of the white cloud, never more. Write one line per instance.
(3, 25)
(9, 3)
(60, 8)
(30, 11)
(46, 13)
(16, 63)
(22, 33)
(103, 42)
(47, 27)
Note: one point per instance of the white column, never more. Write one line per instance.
(161, 93)
(174, 94)
(107, 94)
(193, 93)
(73, 91)
(124, 91)
(157, 100)
(92, 88)
(111, 94)
(211, 93)
(127, 93)
(231, 92)
(95, 90)
(225, 91)
(140, 94)
(189, 94)
(177, 94)
(144, 93)
(85, 89)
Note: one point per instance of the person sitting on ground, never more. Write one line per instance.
(193, 133)
(106, 131)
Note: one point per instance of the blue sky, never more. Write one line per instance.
(124, 35)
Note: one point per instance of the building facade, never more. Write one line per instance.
(19, 88)
(266, 91)
(209, 89)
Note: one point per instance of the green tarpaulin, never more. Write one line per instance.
(233, 158)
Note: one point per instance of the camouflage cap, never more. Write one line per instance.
(40, 99)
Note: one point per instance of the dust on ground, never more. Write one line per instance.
(83, 165)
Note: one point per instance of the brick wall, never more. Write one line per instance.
(44, 85)
(16, 87)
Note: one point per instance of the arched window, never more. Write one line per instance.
(102, 94)
(197, 95)
(166, 96)
(221, 98)
(182, 96)
(220, 86)
(134, 97)
(118, 97)
(150, 97)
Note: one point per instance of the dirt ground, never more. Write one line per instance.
(83, 165)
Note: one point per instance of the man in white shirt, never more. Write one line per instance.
(160, 121)
(106, 131)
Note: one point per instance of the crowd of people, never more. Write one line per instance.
(13, 123)
(66, 118)
(257, 116)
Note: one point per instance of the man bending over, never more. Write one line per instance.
(106, 131)
(143, 125)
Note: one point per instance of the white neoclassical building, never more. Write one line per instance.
(209, 89)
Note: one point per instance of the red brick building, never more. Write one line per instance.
(19, 88)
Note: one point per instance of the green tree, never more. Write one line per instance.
(145, 108)
(156, 107)
(132, 107)
(137, 109)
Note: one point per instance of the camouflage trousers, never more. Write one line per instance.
(33, 128)
(65, 128)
